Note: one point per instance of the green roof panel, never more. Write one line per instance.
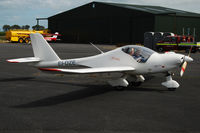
(154, 9)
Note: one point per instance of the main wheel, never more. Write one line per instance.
(120, 88)
(135, 84)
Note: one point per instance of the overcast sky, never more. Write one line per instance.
(24, 12)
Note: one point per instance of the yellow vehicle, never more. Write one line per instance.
(21, 35)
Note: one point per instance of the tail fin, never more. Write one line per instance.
(42, 49)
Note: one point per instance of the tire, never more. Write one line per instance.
(20, 40)
(27, 40)
(119, 88)
(135, 84)
(171, 89)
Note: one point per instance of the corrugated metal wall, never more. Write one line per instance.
(178, 25)
(100, 23)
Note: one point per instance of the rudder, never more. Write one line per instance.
(42, 49)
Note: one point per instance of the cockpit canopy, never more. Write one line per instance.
(140, 54)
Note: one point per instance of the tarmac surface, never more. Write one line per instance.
(35, 102)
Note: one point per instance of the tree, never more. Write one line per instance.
(38, 27)
(25, 27)
(15, 27)
(6, 27)
(22, 27)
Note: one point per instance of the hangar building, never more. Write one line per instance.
(113, 23)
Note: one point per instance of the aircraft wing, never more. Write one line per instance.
(24, 60)
(91, 70)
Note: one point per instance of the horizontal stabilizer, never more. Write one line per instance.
(24, 60)
(90, 70)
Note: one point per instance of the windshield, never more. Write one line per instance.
(140, 54)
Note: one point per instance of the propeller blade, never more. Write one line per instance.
(186, 59)
(183, 68)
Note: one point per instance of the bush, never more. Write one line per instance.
(2, 33)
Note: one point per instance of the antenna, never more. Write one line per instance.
(194, 32)
(97, 48)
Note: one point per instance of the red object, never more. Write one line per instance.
(51, 37)
(183, 69)
(176, 42)
(49, 69)
(12, 61)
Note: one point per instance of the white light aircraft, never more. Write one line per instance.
(127, 64)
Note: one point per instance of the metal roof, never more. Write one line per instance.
(157, 10)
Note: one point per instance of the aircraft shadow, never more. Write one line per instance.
(77, 95)
(16, 79)
(89, 91)
(68, 97)
(146, 89)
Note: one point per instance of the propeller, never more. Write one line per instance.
(183, 68)
(185, 60)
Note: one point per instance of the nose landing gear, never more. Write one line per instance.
(170, 83)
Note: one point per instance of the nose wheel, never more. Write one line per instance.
(171, 89)
(171, 84)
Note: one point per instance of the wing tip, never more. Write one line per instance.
(10, 61)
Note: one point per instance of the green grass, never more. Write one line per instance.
(2, 33)
(2, 39)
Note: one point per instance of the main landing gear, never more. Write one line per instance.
(119, 84)
(122, 83)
